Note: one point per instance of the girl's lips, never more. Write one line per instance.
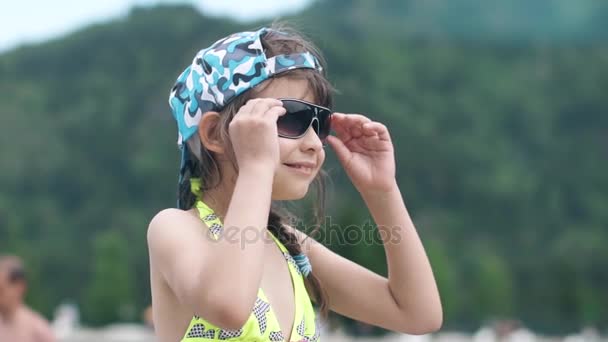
(310, 165)
(302, 168)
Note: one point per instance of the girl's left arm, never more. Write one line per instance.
(408, 301)
(410, 277)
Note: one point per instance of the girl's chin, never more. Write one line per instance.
(290, 194)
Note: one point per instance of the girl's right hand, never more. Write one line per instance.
(254, 135)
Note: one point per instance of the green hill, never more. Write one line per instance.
(500, 133)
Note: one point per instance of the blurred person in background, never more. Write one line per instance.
(18, 323)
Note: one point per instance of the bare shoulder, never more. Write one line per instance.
(166, 218)
(171, 225)
(175, 238)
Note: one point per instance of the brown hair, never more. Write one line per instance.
(281, 39)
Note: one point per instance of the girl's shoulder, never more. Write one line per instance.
(171, 228)
(172, 217)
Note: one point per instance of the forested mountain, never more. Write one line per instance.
(497, 112)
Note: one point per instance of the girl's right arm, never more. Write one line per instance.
(219, 279)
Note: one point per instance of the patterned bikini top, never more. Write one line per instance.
(262, 324)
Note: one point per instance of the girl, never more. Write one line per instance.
(253, 118)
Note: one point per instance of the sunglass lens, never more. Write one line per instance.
(297, 119)
(324, 123)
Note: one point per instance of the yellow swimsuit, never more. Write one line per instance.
(262, 324)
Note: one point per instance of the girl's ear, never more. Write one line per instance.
(209, 132)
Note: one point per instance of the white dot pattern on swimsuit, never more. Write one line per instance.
(215, 229)
(198, 331)
(301, 327)
(260, 309)
(226, 334)
(209, 217)
(276, 336)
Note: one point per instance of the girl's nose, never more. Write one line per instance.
(311, 140)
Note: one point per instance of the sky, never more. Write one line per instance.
(30, 21)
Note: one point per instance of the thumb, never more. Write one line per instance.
(342, 152)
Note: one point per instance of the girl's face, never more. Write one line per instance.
(291, 183)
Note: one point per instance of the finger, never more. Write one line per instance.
(358, 118)
(379, 129)
(356, 130)
(340, 115)
(341, 119)
(337, 116)
(368, 130)
(244, 109)
(354, 123)
(339, 128)
(261, 105)
(351, 120)
(338, 119)
(342, 152)
(275, 112)
(351, 123)
(373, 143)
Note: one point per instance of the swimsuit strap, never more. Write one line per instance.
(300, 261)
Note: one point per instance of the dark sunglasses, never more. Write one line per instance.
(300, 116)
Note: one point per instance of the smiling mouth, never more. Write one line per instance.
(300, 168)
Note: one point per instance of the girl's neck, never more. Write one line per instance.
(218, 199)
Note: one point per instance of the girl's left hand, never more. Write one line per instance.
(365, 150)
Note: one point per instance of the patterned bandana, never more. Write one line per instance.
(219, 73)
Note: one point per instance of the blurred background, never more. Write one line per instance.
(497, 110)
